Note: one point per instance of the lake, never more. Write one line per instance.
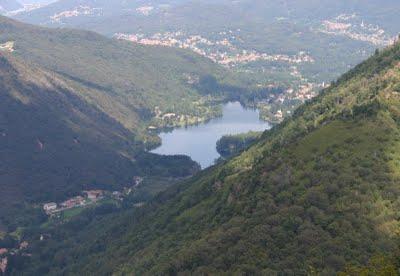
(199, 141)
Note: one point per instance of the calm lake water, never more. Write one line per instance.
(199, 142)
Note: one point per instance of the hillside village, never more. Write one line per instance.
(86, 10)
(221, 51)
(88, 198)
(350, 25)
(277, 107)
(52, 209)
(81, 10)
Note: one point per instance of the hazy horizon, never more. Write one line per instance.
(25, 2)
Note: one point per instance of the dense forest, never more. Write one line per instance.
(317, 194)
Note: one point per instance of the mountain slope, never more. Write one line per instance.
(75, 110)
(54, 144)
(315, 193)
(128, 81)
(299, 46)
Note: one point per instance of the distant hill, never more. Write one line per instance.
(336, 34)
(129, 80)
(316, 193)
(9, 5)
(75, 107)
(264, 11)
(36, 2)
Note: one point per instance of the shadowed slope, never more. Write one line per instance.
(54, 144)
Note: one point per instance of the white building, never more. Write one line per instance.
(50, 206)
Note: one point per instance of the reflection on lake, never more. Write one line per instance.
(199, 142)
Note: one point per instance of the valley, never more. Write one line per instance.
(93, 107)
(199, 137)
(276, 44)
(293, 201)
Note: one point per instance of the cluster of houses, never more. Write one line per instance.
(77, 201)
(284, 103)
(89, 197)
(220, 51)
(77, 11)
(347, 25)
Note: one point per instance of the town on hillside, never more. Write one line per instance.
(88, 198)
(223, 50)
(85, 199)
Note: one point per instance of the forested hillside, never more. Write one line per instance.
(55, 145)
(76, 107)
(316, 194)
(131, 83)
